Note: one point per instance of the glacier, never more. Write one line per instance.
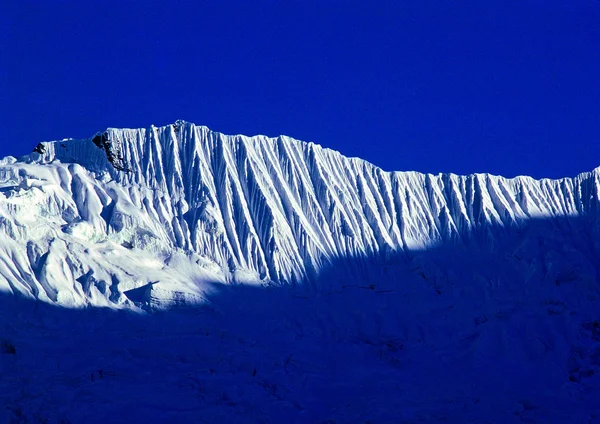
(260, 279)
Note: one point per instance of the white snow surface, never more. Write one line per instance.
(235, 209)
(279, 281)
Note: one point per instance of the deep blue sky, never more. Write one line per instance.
(508, 87)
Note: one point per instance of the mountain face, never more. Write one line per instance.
(367, 296)
(150, 216)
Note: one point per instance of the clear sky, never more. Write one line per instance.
(507, 87)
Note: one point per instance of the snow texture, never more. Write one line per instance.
(278, 281)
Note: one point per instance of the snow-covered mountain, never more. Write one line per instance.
(164, 210)
(371, 296)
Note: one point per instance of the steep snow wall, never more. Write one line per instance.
(86, 220)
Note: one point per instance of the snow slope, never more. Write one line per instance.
(371, 296)
(234, 208)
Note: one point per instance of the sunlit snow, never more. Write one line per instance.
(176, 274)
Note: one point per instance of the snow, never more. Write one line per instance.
(217, 278)
(263, 209)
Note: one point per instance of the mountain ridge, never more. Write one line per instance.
(180, 122)
(259, 209)
(279, 278)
